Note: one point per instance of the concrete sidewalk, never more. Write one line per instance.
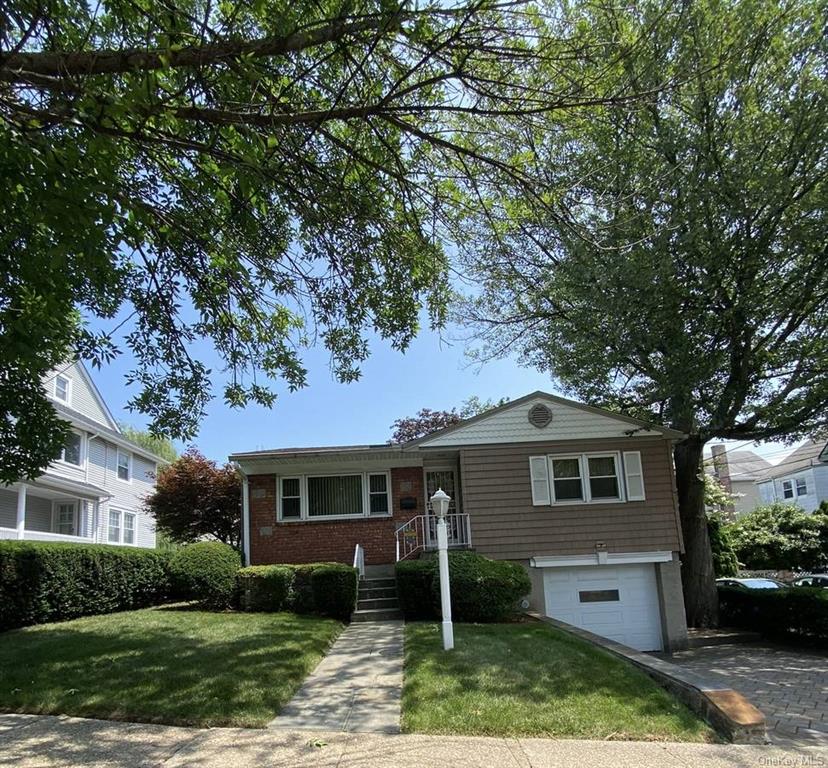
(356, 687)
(33, 741)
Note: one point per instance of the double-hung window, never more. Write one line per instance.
(72, 450)
(801, 487)
(65, 518)
(62, 386)
(787, 489)
(114, 529)
(603, 477)
(124, 465)
(318, 497)
(129, 528)
(586, 478)
(291, 498)
(567, 483)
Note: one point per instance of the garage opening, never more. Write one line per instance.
(619, 602)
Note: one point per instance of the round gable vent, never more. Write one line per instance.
(539, 416)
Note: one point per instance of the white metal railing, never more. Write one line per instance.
(420, 534)
(30, 535)
(359, 560)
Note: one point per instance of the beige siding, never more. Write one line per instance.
(497, 495)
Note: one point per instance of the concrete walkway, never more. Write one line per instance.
(356, 688)
(32, 741)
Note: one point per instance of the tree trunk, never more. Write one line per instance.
(701, 601)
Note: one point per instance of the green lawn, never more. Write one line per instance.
(163, 665)
(533, 680)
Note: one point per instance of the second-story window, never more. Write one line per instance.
(124, 465)
(62, 388)
(801, 487)
(72, 451)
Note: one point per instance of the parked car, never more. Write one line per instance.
(812, 580)
(754, 583)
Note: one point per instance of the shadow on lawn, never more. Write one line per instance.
(182, 667)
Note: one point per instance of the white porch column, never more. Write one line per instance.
(21, 510)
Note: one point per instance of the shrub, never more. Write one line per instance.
(777, 613)
(334, 589)
(725, 561)
(414, 580)
(780, 537)
(50, 581)
(264, 587)
(300, 599)
(482, 590)
(206, 571)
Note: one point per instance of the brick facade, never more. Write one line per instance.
(310, 541)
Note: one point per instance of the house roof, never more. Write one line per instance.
(806, 455)
(397, 448)
(284, 452)
(639, 424)
(77, 418)
(742, 465)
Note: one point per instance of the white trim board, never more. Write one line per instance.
(600, 558)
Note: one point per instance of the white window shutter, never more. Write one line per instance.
(634, 476)
(539, 474)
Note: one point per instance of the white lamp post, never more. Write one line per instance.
(439, 503)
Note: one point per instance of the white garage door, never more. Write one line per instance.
(615, 601)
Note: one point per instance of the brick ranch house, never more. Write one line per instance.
(583, 498)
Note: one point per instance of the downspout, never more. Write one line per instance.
(245, 518)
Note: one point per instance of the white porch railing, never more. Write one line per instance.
(419, 534)
(29, 535)
(359, 560)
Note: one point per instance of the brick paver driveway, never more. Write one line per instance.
(789, 686)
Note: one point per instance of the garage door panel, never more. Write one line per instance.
(617, 602)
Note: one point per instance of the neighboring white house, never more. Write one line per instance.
(800, 478)
(738, 471)
(93, 491)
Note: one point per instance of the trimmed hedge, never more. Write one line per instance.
(335, 590)
(482, 590)
(414, 592)
(206, 572)
(51, 581)
(329, 589)
(264, 587)
(801, 612)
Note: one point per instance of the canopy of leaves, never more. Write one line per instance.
(717, 499)
(261, 175)
(427, 421)
(780, 537)
(160, 446)
(195, 499)
(725, 560)
(679, 269)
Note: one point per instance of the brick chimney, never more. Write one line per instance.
(721, 468)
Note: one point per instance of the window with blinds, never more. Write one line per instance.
(335, 496)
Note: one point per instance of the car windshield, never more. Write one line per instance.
(761, 584)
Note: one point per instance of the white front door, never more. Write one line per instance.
(619, 602)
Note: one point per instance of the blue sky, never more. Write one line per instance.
(432, 373)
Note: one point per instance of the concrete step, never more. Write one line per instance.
(379, 571)
(380, 602)
(376, 593)
(377, 614)
(389, 581)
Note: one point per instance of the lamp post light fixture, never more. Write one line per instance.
(439, 504)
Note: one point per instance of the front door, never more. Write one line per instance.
(441, 478)
(434, 479)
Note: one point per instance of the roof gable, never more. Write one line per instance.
(570, 420)
(86, 398)
(804, 457)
